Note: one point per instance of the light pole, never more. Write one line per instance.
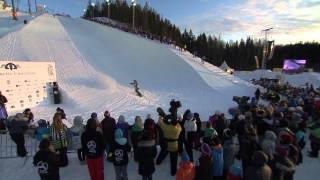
(29, 4)
(133, 3)
(93, 5)
(35, 5)
(108, 3)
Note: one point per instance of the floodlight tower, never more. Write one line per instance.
(133, 3)
(93, 6)
(265, 48)
(108, 3)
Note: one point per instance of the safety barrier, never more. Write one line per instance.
(8, 148)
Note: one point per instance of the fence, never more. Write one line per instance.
(8, 148)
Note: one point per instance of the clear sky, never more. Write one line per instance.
(292, 20)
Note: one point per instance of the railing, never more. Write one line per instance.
(8, 148)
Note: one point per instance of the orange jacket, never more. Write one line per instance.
(186, 171)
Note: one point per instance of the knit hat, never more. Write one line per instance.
(185, 157)
(189, 116)
(205, 149)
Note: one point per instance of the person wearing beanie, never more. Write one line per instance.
(204, 163)
(282, 167)
(146, 152)
(186, 169)
(108, 126)
(47, 161)
(136, 132)
(123, 125)
(76, 131)
(93, 147)
(42, 131)
(258, 170)
(190, 129)
(119, 150)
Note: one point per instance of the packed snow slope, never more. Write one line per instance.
(96, 63)
(8, 25)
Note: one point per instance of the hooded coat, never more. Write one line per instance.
(120, 149)
(108, 125)
(259, 170)
(17, 124)
(92, 142)
(123, 125)
(146, 152)
(229, 153)
(217, 160)
(76, 131)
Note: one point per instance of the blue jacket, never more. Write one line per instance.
(42, 133)
(217, 161)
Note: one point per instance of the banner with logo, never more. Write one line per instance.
(25, 84)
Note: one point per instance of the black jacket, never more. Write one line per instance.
(146, 153)
(108, 126)
(204, 170)
(47, 163)
(92, 144)
(120, 153)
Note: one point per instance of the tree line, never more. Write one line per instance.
(239, 55)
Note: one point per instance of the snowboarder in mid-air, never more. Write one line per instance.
(136, 87)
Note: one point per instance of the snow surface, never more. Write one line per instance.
(96, 63)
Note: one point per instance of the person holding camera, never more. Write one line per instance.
(171, 131)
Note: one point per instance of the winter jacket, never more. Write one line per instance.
(282, 167)
(136, 133)
(189, 126)
(124, 126)
(186, 171)
(204, 168)
(76, 131)
(59, 138)
(146, 152)
(119, 149)
(3, 113)
(92, 144)
(47, 163)
(171, 134)
(17, 125)
(220, 126)
(108, 126)
(268, 144)
(213, 119)
(42, 133)
(217, 161)
(259, 170)
(229, 153)
(248, 145)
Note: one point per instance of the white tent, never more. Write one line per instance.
(224, 66)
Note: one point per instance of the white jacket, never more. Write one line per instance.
(189, 126)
